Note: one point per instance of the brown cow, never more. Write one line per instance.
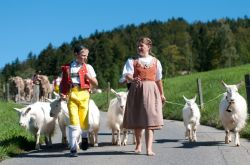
(28, 89)
(44, 87)
(16, 88)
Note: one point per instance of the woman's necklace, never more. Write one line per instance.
(145, 62)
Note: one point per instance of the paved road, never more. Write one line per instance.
(170, 146)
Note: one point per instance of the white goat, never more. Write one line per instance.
(191, 118)
(36, 119)
(59, 109)
(115, 116)
(94, 123)
(233, 112)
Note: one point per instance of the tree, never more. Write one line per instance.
(174, 59)
(227, 45)
(104, 59)
(46, 61)
(242, 44)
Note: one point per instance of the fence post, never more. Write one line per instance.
(4, 92)
(36, 91)
(8, 92)
(247, 82)
(108, 94)
(18, 95)
(200, 93)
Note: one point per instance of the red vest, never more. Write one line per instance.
(66, 82)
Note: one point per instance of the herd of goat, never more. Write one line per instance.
(40, 118)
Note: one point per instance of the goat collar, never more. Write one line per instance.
(229, 107)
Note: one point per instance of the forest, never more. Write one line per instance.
(182, 48)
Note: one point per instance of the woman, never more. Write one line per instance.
(145, 97)
(77, 79)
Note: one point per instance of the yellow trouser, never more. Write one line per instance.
(78, 107)
(56, 88)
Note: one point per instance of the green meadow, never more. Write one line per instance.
(212, 90)
(15, 140)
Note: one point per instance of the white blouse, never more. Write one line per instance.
(147, 61)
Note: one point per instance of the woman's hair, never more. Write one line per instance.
(147, 41)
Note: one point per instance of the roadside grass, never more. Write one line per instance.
(13, 139)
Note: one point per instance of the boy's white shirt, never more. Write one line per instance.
(74, 68)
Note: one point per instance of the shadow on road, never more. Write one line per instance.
(187, 144)
(59, 150)
(166, 140)
(63, 154)
(199, 144)
(108, 153)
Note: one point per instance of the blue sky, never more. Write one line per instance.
(30, 25)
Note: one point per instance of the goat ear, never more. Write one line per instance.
(49, 100)
(185, 98)
(194, 98)
(223, 83)
(56, 94)
(27, 110)
(18, 110)
(239, 85)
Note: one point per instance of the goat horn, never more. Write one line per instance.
(224, 84)
(113, 91)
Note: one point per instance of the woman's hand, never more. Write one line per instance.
(163, 99)
(137, 81)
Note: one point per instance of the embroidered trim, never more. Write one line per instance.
(146, 65)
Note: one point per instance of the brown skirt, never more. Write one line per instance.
(144, 107)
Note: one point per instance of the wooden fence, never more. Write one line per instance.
(7, 96)
(247, 83)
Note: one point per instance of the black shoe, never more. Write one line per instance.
(73, 153)
(85, 144)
